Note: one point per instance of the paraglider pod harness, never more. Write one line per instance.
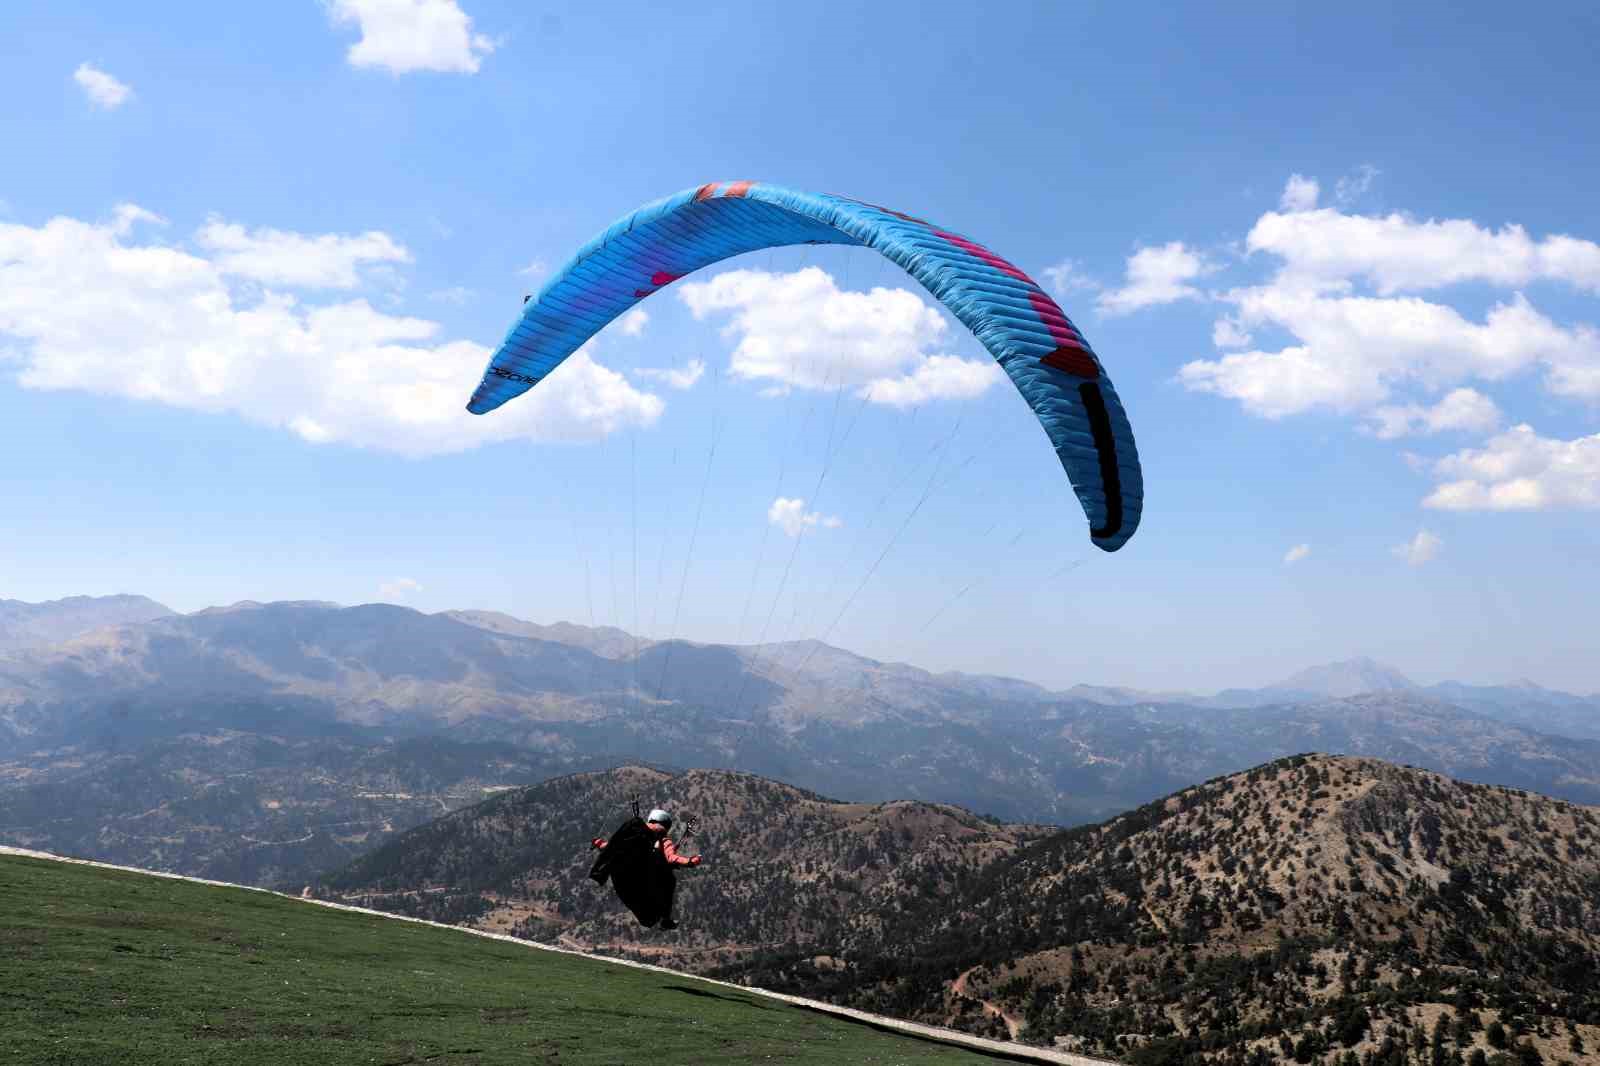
(639, 874)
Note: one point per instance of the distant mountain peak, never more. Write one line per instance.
(1348, 677)
(33, 625)
(119, 599)
(257, 605)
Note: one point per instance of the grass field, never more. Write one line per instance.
(106, 967)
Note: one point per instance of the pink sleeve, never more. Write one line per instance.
(670, 851)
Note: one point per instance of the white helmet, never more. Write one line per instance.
(660, 817)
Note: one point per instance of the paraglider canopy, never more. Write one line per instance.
(1043, 353)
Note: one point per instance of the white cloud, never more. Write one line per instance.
(1354, 350)
(1276, 384)
(1295, 554)
(1353, 186)
(1518, 470)
(1461, 409)
(801, 330)
(1067, 276)
(1574, 370)
(1157, 276)
(936, 377)
(402, 36)
(126, 216)
(1351, 332)
(1327, 248)
(86, 307)
(1228, 333)
(1300, 194)
(275, 257)
(1419, 549)
(791, 516)
(683, 377)
(632, 324)
(397, 589)
(1351, 352)
(101, 88)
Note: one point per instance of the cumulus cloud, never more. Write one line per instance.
(791, 516)
(1354, 350)
(87, 306)
(1419, 549)
(1157, 276)
(397, 589)
(801, 330)
(632, 324)
(276, 257)
(936, 377)
(683, 377)
(402, 36)
(1353, 298)
(1300, 194)
(1351, 350)
(1295, 554)
(1328, 249)
(1276, 384)
(102, 89)
(1574, 369)
(1461, 409)
(1519, 470)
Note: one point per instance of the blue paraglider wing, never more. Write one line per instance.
(1039, 348)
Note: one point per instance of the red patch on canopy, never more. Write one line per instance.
(1072, 360)
(978, 250)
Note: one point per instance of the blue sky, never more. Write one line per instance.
(1341, 264)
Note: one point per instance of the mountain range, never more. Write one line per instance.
(39, 625)
(120, 718)
(1309, 909)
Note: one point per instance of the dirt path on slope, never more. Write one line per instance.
(1013, 1023)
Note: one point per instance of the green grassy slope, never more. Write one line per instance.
(105, 967)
